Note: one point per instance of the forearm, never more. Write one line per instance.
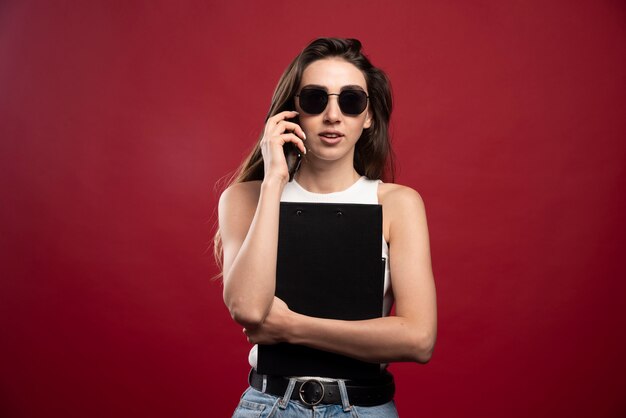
(379, 340)
(250, 283)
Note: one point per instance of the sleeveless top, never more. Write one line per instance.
(363, 191)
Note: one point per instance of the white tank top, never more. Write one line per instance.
(363, 191)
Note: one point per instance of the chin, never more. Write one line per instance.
(330, 154)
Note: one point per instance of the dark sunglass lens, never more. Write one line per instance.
(313, 101)
(353, 102)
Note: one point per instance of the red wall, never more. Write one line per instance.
(116, 121)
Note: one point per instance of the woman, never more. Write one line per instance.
(334, 106)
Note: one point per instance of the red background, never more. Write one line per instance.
(117, 120)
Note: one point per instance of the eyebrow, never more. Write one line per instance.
(348, 87)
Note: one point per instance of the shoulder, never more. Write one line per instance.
(241, 192)
(403, 209)
(402, 205)
(392, 195)
(240, 197)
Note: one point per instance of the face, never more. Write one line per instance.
(332, 134)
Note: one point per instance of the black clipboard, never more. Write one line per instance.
(329, 265)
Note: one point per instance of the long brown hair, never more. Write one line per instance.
(373, 156)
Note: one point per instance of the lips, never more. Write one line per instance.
(331, 137)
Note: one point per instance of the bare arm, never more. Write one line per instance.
(249, 237)
(248, 220)
(408, 336)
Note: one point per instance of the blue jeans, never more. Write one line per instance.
(255, 404)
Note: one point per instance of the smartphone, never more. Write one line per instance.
(293, 157)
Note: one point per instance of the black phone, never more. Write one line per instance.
(293, 157)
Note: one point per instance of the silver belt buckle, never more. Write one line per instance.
(301, 392)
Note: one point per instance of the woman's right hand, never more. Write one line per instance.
(278, 131)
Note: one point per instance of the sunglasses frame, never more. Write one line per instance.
(338, 99)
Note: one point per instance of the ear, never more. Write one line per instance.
(369, 120)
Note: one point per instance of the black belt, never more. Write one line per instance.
(366, 392)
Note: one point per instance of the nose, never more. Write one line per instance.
(332, 113)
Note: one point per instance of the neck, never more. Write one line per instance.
(326, 176)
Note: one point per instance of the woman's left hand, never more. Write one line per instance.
(275, 327)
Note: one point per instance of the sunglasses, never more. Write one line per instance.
(352, 102)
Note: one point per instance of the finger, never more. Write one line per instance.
(287, 114)
(291, 126)
(293, 138)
